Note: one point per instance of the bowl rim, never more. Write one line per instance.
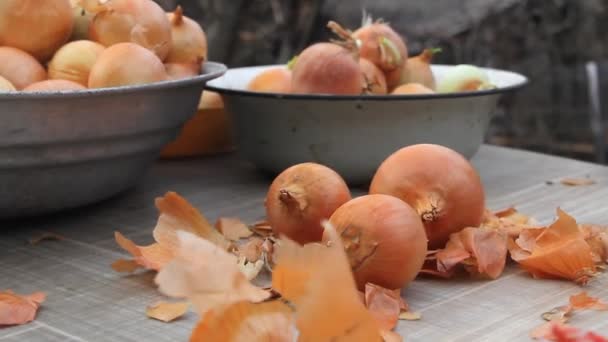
(210, 70)
(499, 90)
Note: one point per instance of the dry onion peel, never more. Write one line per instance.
(384, 304)
(232, 228)
(597, 238)
(167, 312)
(18, 309)
(508, 221)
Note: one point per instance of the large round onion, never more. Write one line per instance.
(138, 21)
(36, 27)
(189, 42)
(384, 239)
(126, 64)
(274, 80)
(20, 68)
(5, 85)
(73, 62)
(439, 183)
(53, 85)
(380, 44)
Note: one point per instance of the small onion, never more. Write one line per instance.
(274, 80)
(384, 239)
(53, 85)
(126, 64)
(462, 78)
(36, 27)
(416, 70)
(301, 197)
(82, 21)
(439, 183)
(138, 21)
(380, 44)
(177, 71)
(20, 68)
(73, 62)
(374, 77)
(189, 42)
(411, 88)
(6, 86)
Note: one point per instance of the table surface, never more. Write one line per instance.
(88, 301)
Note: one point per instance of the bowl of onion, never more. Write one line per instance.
(351, 102)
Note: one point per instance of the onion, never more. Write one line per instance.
(210, 100)
(82, 21)
(73, 62)
(379, 43)
(36, 27)
(384, 239)
(53, 85)
(301, 197)
(411, 88)
(5, 85)
(177, 71)
(439, 183)
(138, 21)
(416, 70)
(20, 68)
(464, 77)
(376, 82)
(126, 64)
(189, 42)
(275, 80)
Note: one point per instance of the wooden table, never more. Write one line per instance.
(88, 301)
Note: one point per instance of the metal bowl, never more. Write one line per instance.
(354, 134)
(61, 150)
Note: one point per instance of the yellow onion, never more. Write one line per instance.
(5, 85)
(20, 68)
(416, 70)
(137, 21)
(189, 42)
(73, 62)
(411, 88)
(374, 78)
(82, 21)
(274, 80)
(463, 78)
(177, 71)
(381, 45)
(53, 85)
(126, 64)
(36, 27)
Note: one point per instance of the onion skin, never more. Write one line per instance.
(411, 88)
(54, 85)
(327, 68)
(416, 70)
(36, 27)
(380, 44)
(301, 197)
(20, 68)
(384, 239)
(138, 21)
(6, 86)
(126, 64)
(74, 61)
(177, 71)
(374, 77)
(189, 42)
(439, 183)
(275, 80)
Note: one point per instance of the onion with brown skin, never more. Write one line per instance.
(189, 42)
(36, 27)
(137, 21)
(411, 88)
(416, 70)
(384, 239)
(73, 62)
(177, 71)
(439, 183)
(53, 85)
(126, 64)
(6, 86)
(20, 68)
(380, 44)
(82, 21)
(374, 77)
(301, 197)
(274, 80)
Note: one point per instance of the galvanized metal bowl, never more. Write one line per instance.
(354, 134)
(66, 149)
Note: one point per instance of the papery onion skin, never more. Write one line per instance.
(327, 68)
(73, 61)
(384, 239)
(177, 71)
(374, 77)
(6, 85)
(439, 183)
(380, 44)
(54, 85)
(189, 41)
(126, 64)
(301, 197)
(20, 68)
(411, 88)
(138, 21)
(274, 80)
(416, 70)
(36, 27)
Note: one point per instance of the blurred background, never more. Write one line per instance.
(560, 45)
